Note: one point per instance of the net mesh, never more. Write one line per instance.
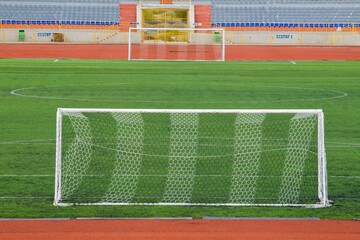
(176, 44)
(188, 158)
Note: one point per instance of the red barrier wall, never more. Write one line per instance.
(128, 15)
(203, 15)
(166, 1)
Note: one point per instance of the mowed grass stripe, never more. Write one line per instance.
(197, 83)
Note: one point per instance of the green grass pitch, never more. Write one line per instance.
(32, 90)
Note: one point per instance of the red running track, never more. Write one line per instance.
(179, 229)
(112, 51)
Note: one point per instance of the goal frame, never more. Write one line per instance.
(180, 29)
(322, 168)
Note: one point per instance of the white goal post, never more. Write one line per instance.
(190, 157)
(176, 44)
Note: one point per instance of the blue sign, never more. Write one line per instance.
(44, 34)
(284, 36)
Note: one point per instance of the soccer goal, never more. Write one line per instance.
(190, 157)
(177, 44)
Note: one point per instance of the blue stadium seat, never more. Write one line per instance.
(289, 11)
(57, 10)
(225, 13)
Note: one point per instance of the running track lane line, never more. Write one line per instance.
(179, 229)
(233, 52)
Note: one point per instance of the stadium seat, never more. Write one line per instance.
(225, 13)
(58, 10)
(290, 12)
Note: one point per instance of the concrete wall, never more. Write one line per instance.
(232, 38)
(294, 38)
(70, 36)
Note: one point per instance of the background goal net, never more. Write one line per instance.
(182, 44)
(190, 157)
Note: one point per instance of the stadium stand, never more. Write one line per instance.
(52, 13)
(243, 15)
(290, 14)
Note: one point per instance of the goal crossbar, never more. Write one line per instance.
(250, 111)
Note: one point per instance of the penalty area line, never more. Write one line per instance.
(26, 175)
(351, 177)
(26, 197)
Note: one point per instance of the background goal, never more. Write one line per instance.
(182, 44)
(190, 157)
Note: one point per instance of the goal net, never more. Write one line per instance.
(182, 44)
(190, 157)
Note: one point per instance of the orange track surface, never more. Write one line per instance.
(87, 51)
(179, 229)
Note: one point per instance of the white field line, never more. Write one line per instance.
(28, 142)
(345, 199)
(51, 197)
(27, 175)
(350, 177)
(244, 68)
(26, 197)
(342, 144)
(52, 142)
(194, 68)
(15, 92)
